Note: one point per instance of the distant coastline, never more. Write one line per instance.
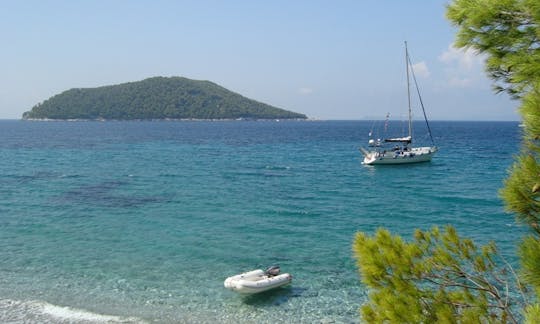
(234, 120)
(167, 120)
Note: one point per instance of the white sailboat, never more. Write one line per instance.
(401, 150)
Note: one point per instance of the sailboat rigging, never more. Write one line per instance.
(403, 152)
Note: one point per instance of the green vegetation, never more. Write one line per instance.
(156, 98)
(440, 277)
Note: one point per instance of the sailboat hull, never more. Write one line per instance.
(414, 155)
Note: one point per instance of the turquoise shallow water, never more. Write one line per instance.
(142, 221)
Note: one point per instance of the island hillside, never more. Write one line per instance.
(156, 98)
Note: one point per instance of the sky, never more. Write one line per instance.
(336, 60)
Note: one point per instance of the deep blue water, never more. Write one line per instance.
(142, 221)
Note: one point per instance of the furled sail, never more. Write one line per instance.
(407, 139)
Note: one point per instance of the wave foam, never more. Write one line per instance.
(43, 312)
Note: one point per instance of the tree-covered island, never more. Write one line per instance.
(155, 98)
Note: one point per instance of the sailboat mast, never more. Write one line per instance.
(408, 89)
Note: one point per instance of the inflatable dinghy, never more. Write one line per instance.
(257, 281)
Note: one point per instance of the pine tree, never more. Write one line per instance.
(439, 277)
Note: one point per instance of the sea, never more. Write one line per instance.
(142, 221)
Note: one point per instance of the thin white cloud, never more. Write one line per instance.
(457, 82)
(463, 66)
(466, 59)
(305, 91)
(421, 70)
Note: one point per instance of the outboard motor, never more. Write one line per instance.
(272, 271)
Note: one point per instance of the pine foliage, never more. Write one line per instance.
(439, 277)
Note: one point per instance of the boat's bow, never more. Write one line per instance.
(369, 157)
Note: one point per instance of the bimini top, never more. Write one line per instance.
(407, 139)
